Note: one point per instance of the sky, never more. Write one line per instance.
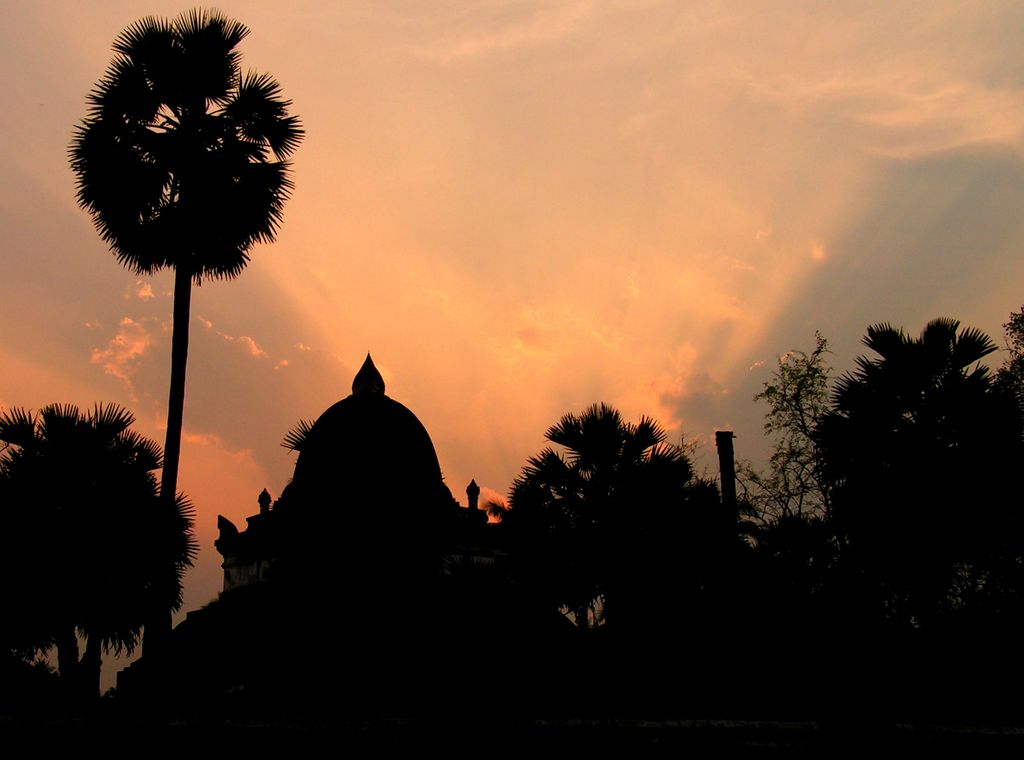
(523, 208)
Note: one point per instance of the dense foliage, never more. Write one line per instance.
(89, 545)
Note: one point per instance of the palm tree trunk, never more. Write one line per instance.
(89, 669)
(176, 397)
(67, 657)
(158, 621)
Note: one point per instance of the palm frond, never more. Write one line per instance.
(184, 519)
(145, 453)
(262, 114)
(60, 422)
(971, 346)
(884, 339)
(18, 427)
(112, 418)
(145, 38)
(209, 66)
(296, 438)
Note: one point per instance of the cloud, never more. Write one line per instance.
(932, 117)
(549, 24)
(251, 346)
(489, 494)
(143, 290)
(120, 357)
(209, 440)
(201, 439)
(909, 108)
(489, 497)
(699, 401)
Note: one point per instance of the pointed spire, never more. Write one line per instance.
(368, 379)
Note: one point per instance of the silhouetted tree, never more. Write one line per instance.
(797, 395)
(794, 540)
(589, 518)
(181, 164)
(90, 545)
(1010, 376)
(916, 448)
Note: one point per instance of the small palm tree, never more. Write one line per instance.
(578, 504)
(181, 163)
(94, 546)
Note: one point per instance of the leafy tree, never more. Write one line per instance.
(916, 446)
(797, 395)
(90, 544)
(1010, 377)
(793, 539)
(181, 163)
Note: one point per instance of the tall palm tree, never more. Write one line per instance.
(181, 162)
(94, 545)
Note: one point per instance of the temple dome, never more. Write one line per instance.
(368, 448)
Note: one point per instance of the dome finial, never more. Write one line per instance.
(368, 379)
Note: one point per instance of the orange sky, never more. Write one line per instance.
(522, 208)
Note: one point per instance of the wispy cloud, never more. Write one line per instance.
(208, 440)
(549, 23)
(120, 357)
(248, 343)
(201, 439)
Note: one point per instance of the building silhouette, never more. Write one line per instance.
(366, 568)
(367, 480)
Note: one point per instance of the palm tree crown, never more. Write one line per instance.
(912, 375)
(574, 507)
(180, 160)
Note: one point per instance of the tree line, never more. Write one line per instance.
(882, 541)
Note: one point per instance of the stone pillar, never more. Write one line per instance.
(727, 467)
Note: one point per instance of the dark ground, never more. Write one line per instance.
(106, 728)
